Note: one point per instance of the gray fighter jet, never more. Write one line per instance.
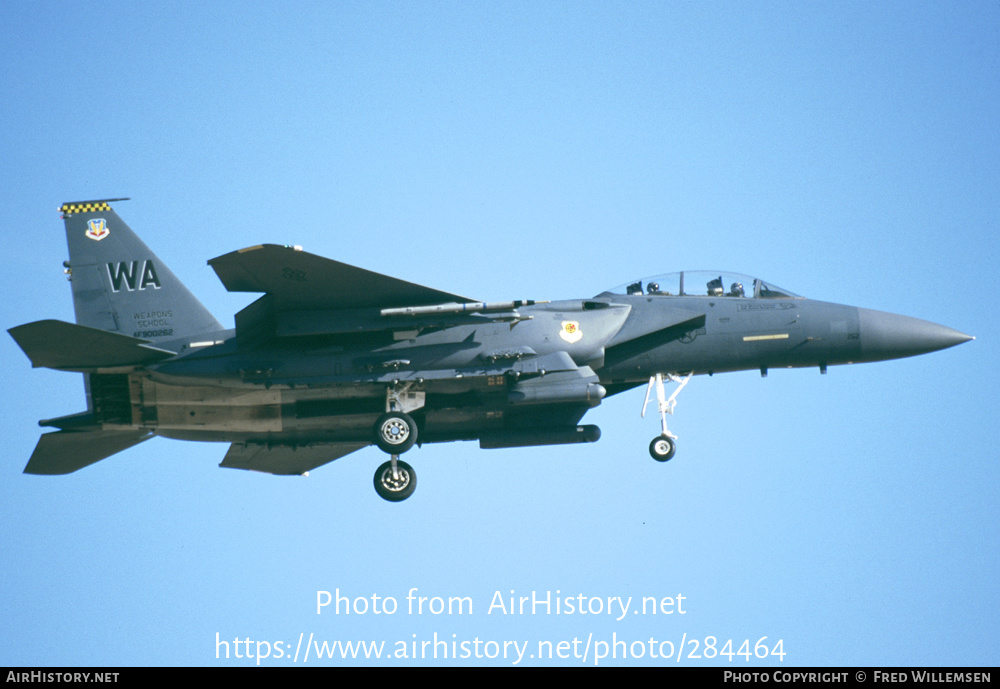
(333, 358)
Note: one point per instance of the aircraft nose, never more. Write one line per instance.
(891, 336)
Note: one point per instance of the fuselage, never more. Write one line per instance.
(481, 378)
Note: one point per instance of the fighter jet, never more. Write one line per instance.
(333, 358)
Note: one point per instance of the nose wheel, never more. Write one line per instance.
(662, 448)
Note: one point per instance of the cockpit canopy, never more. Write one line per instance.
(703, 283)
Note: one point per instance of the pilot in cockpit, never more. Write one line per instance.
(736, 290)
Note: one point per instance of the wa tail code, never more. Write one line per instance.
(126, 274)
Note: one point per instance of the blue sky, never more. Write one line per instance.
(845, 151)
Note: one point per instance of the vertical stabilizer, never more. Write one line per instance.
(120, 285)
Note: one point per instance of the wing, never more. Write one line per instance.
(285, 459)
(300, 280)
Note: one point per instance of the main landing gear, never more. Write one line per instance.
(663, 447)
(395, 432)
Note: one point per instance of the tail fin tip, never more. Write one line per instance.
(95, 206)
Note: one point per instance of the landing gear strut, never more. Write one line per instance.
(395, 432)
(663, 447)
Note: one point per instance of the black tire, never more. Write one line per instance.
(395, 432)
(395, 489)
(662, 448)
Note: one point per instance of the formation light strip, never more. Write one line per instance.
(760, 338)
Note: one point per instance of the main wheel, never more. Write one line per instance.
(398, 486)
(395, 432)
(662, 448)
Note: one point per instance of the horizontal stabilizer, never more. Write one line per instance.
(63, 452)
(285, 459)
(57, 344)
(300, 280)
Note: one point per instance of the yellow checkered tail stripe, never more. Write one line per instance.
(87, 206)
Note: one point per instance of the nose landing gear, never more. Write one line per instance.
(663, 447)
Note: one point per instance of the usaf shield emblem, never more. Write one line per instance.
(571, 331)
(97, 229)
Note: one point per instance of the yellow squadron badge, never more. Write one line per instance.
(571, 331)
